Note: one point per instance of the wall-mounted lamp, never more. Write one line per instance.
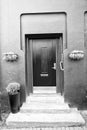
(10, 56)
(76, 55)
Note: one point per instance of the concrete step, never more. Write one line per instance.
(44, 120)
(43, 90)
(59, 110)
(44, 98)
(45, 104)
(44, 108)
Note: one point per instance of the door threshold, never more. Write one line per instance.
(44, 90)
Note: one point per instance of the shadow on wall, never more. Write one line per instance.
(22, 94)
(80, 98)
(4, 100)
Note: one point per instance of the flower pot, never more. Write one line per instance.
(14, 102)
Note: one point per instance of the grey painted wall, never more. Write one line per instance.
(75, 72)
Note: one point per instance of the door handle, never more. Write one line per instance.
(61, 66)
(54, 67)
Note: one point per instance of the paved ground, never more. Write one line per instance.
(58, 128)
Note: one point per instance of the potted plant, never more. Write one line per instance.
(13, 90)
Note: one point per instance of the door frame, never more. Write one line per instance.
(29, 62)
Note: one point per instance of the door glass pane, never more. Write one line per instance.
(44, 60)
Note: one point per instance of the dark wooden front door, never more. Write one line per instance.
(44, 62)
(43, 55)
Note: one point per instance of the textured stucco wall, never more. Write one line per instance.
(75, 72)
(41, 23)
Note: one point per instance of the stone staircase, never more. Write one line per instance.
(45, 103)
(41, 110)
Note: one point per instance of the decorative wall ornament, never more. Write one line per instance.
(76, 55)
(10, 56)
